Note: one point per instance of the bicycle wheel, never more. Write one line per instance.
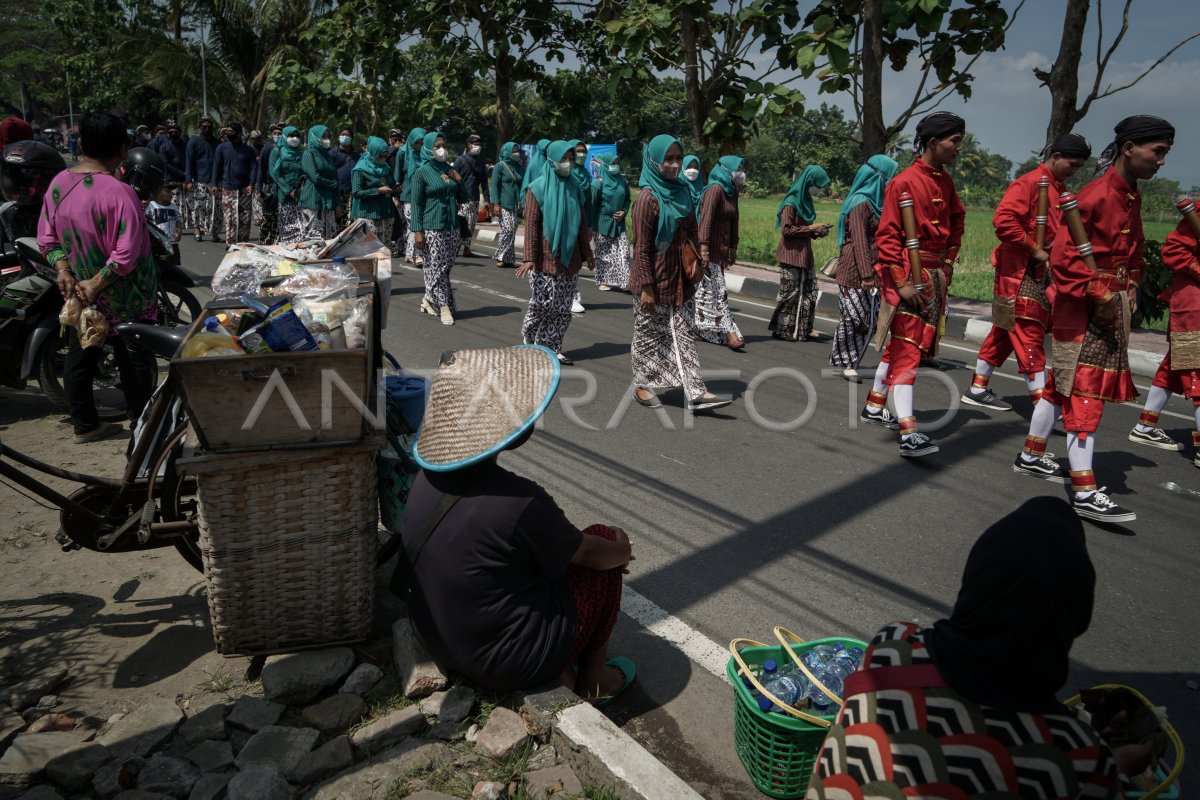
(180, 504)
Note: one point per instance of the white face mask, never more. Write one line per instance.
(325, 142)
(581, 158)
(563, 168)
(739, 178)
(439, 154)
(691, 173)
(813, 191)
(293, 141)
(474, 149)
(614, 169)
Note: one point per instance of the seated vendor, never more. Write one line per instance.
(505, 589)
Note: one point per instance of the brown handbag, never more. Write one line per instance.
(693, 267)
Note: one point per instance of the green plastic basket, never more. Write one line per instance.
(777, 750)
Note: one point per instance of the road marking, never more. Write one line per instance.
(693, 644)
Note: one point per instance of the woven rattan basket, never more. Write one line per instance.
(288, 540)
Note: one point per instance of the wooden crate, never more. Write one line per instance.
(280, 400)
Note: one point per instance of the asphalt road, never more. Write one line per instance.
(822, 528)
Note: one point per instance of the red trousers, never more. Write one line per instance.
(597, 600)
(1178, 381)
(1027, 340)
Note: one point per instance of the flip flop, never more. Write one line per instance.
(101, 431)
(628, 670)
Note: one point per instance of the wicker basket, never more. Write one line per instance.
(288, 541)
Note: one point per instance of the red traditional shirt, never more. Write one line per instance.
(1179, 254)
(940, 223)
(1015, 222)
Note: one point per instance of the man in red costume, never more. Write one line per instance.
(1179, 372)
(1092, 309)
(916, 309)
(1021, 310)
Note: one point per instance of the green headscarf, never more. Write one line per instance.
(533, 170)
(427, 158)
(315, 134)
(674, 196)
(561, 204)
(376, 148)
(614, 188)
(696, 186)
(286, 151)
(579, 172)
(869, 183)
(722, 174)
(797, 196)
(510, 162)
(412, 154)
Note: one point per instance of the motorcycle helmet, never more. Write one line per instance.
(26, 169)
(143, 170)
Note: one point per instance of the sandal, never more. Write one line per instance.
(101, 431)
(652, 402)
(628, 671)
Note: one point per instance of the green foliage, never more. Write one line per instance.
(784, 146)
(1154, 281)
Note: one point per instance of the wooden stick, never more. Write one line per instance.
(1069, 205)
(912, 243)
(1187, 207)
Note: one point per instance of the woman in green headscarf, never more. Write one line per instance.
(412, 163)
(583, 179)
(537, 165)
(796, 310)
(664, 354)
(717, 221)
(436, 193)
(610, 198)
(371, 189)
(557, 242)
(859, 297)
(507, 177)
(319, 194)
(288, 176)
(694, 177)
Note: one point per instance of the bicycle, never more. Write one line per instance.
(152, 504)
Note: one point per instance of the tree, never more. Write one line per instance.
(727, 86)
(845, 44)
(1062, 79)
(978, 168)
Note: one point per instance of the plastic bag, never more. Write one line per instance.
(355, 326)
(93, 327)
(69, 315)
(245, 274)
(319, 281)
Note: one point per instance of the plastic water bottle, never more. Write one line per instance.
(790, 688)
(848, 659)
(821, 702)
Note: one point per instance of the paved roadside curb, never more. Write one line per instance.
(742, 279)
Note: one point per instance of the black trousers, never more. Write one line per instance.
(137, 367)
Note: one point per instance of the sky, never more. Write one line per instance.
(1009, 110)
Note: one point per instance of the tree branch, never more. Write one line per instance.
(1111, 91)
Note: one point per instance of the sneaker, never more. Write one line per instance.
(1044, 467)
(917, 445)
(984, 398)
(577, 307)
(883, 417)
(447, 317)
(1155, 437)
(1099, 507)
(199, 237)
(1196, 460)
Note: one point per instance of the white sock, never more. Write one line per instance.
(1156, 401)
(983, 369)
(1198, 418)
(1079, 453)
(1036, 381)
(902, 397)
(1040, 424)
(880, 374)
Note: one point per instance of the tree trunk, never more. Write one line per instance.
(1063, 78)
(691, 77)
(503, 100)
(874, 132)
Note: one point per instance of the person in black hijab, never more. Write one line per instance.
(1027, 593)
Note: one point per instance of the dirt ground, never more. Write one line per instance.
(129, 625)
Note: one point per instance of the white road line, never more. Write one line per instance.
(693, 644)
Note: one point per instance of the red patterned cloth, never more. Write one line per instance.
(928, 740)
(1180, 370)
(597, 600)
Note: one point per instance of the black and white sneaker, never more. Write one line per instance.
(1045, 468)
(1196, 460)
(1155, 437)
(917, 445)
(985, 398)
(1099, 507)
(882, 417)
